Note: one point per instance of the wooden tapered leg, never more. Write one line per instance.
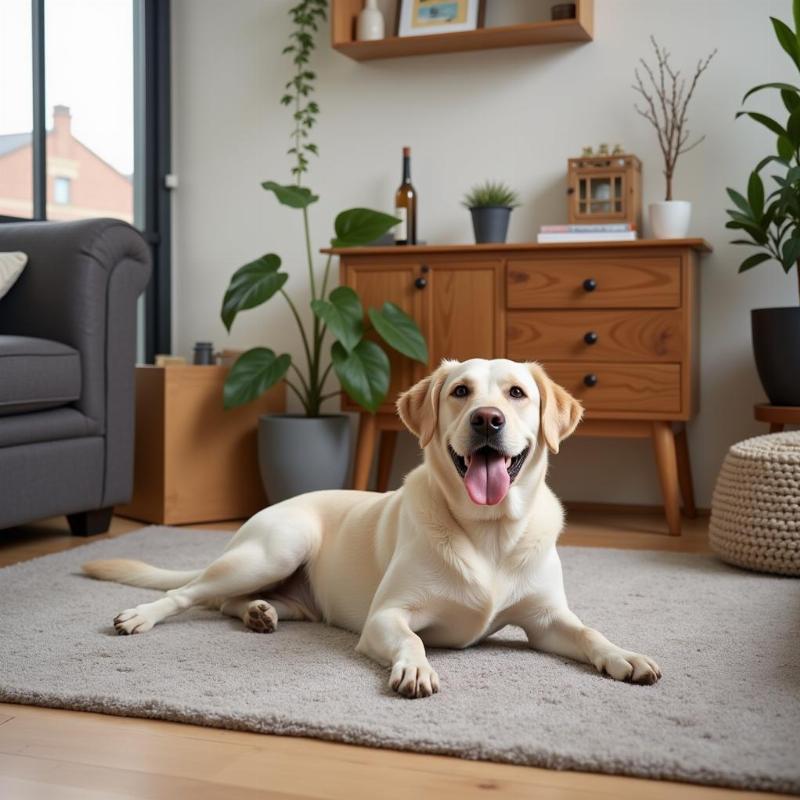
(685, 472)
(667, 464)
(365, 449)
(385, 458)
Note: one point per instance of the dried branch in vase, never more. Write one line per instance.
(665, 99)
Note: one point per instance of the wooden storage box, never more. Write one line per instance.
(194, 461)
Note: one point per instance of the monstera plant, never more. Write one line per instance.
(769, 216)
(338, 321)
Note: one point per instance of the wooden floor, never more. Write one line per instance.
(46, 753)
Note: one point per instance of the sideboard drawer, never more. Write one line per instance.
(620, 387)
(592, 282)
(595, 335)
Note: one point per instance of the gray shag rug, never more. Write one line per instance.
(727, 711)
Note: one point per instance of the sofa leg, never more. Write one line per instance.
(89, 523)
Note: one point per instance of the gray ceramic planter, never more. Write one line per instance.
(302, 454)
(490, 223)
(776, 346)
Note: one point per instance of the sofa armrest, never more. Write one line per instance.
(80, 287)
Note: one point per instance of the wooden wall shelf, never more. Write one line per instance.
(345, 12)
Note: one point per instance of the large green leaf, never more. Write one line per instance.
(754, 261)
(790, 252)
(793, 128)
(766, 121)
(363, 373)
(252, 285)
(252, 374)
(343, 314)
(796, 15)
(788, 87)
(755, 194)
(769, 159)
(788, 40)
(790, 99)
(357, 227)
(739, 200)
(399, 331)
(786, 149)
(737, 223)
(291, 195)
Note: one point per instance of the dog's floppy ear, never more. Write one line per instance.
(419, 406)
(559, 412)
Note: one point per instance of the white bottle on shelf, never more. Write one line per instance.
(370, 22)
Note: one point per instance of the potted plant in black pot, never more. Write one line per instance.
(309, 451)
(771, 223)
(490, 204)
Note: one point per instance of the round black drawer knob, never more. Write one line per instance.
(420, 283)
(589, 285)
(590, 337)
(590, 379)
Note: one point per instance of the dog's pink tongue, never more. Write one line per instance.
(487, 478)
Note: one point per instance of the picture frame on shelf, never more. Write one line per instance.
(432, 17)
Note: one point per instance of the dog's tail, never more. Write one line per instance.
(137, 573)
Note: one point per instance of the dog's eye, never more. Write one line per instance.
(516, 392)
(460, 391)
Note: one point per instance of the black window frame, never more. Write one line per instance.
(154, 27)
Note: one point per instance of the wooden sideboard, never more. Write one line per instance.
(615, 323)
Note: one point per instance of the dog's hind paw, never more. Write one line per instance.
(261, 617)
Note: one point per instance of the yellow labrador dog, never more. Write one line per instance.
(466, 547)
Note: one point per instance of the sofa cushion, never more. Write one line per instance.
(45, 426)
(36, 374)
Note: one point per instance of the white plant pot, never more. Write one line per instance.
(370, 23)
(670, 219)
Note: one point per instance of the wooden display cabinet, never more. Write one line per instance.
(605, 189)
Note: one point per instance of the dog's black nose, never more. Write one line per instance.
(487, 420)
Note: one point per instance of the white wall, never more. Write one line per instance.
(512, 114)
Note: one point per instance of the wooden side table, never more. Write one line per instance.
(194, 461)
(778, 417)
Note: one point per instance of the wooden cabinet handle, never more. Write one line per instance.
(590, 337)
(420, 283)
(590, 380)
(589, 285)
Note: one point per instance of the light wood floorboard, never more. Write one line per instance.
(54, 754)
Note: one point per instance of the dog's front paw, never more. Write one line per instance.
(132, 621)
(414, 680)
(623, 665)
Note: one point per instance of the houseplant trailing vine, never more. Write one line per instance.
(771, 223)
(360, 363)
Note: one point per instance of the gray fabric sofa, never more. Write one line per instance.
(67, 353)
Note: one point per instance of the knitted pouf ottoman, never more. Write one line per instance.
(755, 511)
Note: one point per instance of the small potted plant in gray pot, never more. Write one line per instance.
(304, 452)
(490, 204)
(772, 224)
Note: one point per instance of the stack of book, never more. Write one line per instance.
(602, 232)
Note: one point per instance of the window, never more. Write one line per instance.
(16, 110)
(84, 124)
(61, 188)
